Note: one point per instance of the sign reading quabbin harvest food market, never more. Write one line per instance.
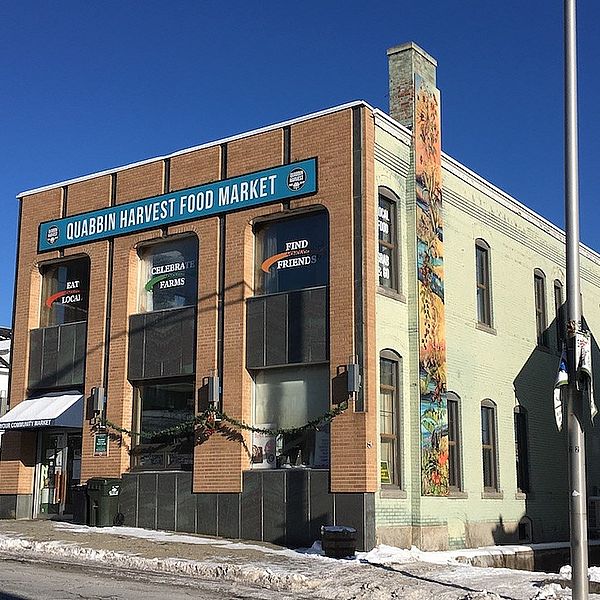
(271, 185)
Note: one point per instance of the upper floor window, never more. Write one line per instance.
(521, 449)
(389, 417)
(489, 446)
(559, 313)
(454, 467)
(292, 253)
(169, 274)
(388, 242)
(65, 292)
(541, 317)
(482, 270)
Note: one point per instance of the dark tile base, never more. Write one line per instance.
(286, 507)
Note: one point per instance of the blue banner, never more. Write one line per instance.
(271, 185)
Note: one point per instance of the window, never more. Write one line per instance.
(388, 243)
(482, 270)
(285, 398)
(291, 254)
(454, 467)
(157, 407)
(489, 446)
(541, 319)
(169, 272)
(287, 340)
(65, 292)
(521, 454)
(559, 312)
(389, 403)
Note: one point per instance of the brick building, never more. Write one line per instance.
(255, 277)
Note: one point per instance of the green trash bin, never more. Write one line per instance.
(103, 501)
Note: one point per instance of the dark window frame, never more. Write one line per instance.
(541, 309)
(559, 309)
(259, 284)
(483, 285)
(489, 446)
(394, 438)
(454, 442)
(521, 449)
(145, 249)
(137, 419)
(393, 246)
(46, 315)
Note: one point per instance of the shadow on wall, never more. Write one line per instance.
(544, 461)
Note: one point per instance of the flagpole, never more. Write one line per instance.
(577, 480)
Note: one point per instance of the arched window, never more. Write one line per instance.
(489, 446)
(387, 225)
(454, 440)
(169, 274)
(390, 393)
(521, 449)
(483, 290)
(541, 315)
(559, 312)
(65, 292)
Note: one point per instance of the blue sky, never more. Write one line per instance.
(87, 86)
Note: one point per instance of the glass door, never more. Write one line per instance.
(51, 479)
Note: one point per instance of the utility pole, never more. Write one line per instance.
(577, 479)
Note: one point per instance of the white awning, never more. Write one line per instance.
(60, 409)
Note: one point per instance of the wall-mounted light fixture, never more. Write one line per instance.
(214, 389)
(353, 374)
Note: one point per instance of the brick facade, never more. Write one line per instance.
(220, 460)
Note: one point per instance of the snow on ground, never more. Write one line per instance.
(383, 573)
(175, 538)
(258, 575)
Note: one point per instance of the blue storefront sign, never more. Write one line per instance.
(280, 183)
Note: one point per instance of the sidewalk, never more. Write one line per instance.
(379, 575)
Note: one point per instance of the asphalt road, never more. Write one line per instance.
(25, 579)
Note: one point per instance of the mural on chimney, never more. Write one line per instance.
(430, 268)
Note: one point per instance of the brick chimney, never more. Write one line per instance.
(404, 62)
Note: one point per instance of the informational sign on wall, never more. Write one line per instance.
(101, 444)
(278, 183)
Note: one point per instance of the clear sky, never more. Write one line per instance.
(86, 86)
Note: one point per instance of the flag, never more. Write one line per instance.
(562, 379)
(583, 359)
(585, 382)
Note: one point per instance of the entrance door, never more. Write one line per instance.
(58, 471)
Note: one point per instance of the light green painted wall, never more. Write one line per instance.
(503, 365)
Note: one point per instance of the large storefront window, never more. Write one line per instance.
(292, 254)
(285, 398)
(65, 292)
(169, 275)
(288, 329)
(158, 407)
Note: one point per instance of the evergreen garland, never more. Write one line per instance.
(207, 422)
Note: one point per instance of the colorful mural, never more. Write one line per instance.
(430, 267)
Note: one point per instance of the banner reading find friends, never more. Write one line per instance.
(271, 185)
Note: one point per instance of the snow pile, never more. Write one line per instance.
(178, 538)
(266, 577)
(593, 573)
(548, 592)
(483, 595)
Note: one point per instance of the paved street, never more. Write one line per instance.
(25, 579)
